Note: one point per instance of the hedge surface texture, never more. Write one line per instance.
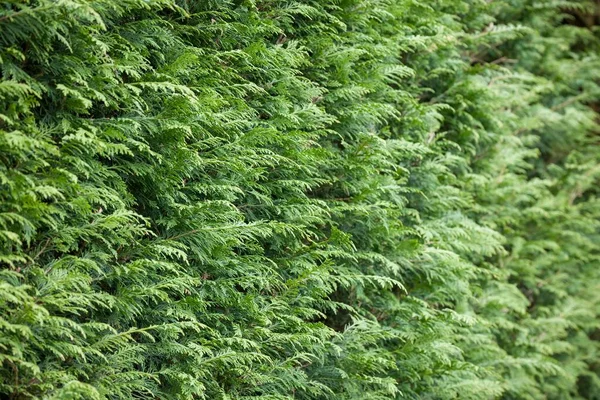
(299, 199)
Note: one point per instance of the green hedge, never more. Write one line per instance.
(299, 199)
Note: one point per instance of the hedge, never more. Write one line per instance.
(299, 199)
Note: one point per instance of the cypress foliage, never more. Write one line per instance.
(300, 199)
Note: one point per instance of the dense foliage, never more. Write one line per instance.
(299, 199)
